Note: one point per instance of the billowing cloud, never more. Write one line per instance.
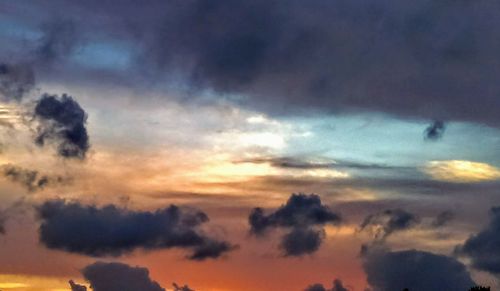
(304, 216)
(388, 56)
(61, 120)
(337, 286)
(76, 287)
(118, 277)
(482, 247)
(384, 223)
(415, 270)
(30, 179)
(112, 231)
(435, 131)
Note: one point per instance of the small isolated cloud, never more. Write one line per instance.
(385, 223)
(112, 231)
(181, 288)
(416, 270)
(443, 218)
(117, 277)
(482, 247)
(16, 80)
(30, 179)
(337, 286)
(76, 287)
(435, 131)
(304, 216)
(62, 120)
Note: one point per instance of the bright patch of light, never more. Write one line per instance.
(461, 171)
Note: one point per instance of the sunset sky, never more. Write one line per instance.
(263, 145)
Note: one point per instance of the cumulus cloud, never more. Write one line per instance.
(435, 131)
(385, 223)
(30, 179)
(304, 216)
(119, 277)
(16, 80)
(112, 231)
(482, 247)
(337, 286)
(416, 270)
(62, 120)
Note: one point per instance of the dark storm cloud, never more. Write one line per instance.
(416, 270)
(119, 277)
(16, 80)
(182, 288)
(435, 131)
(76, 287)
(482, 248)
(389, 221)
(422, 59)
(111, 231)
(337, 286)
(304, 216)
(62, 120)
(30, 179)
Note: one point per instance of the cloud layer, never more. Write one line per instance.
(111, 231)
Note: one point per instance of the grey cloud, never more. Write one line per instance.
(435, 131)
(119, 277)
(16, 81)
(423, 60)
(416, 270)
(337, 286)
(443, 218)
(389, 221)
(304, 216)
(181, 288)
(63, 121)
(76, 287)
(30, 179)
(482, 247)
(112, 231)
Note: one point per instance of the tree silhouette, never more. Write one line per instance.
(480, 288)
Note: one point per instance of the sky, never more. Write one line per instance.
(265, 145)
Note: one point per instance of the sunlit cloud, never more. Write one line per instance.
(461, 171)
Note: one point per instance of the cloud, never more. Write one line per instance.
(16, 80)
(443, 218)
(62, 120)
(76, 287)
(112, 231)
(304, 215)
(337, 286)
(482, 247)
(335, 56)
(59, 39)
(435, 131)
(413, 269)
(384, 223)
(182, 288)
(30, 179)
(118, 277)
